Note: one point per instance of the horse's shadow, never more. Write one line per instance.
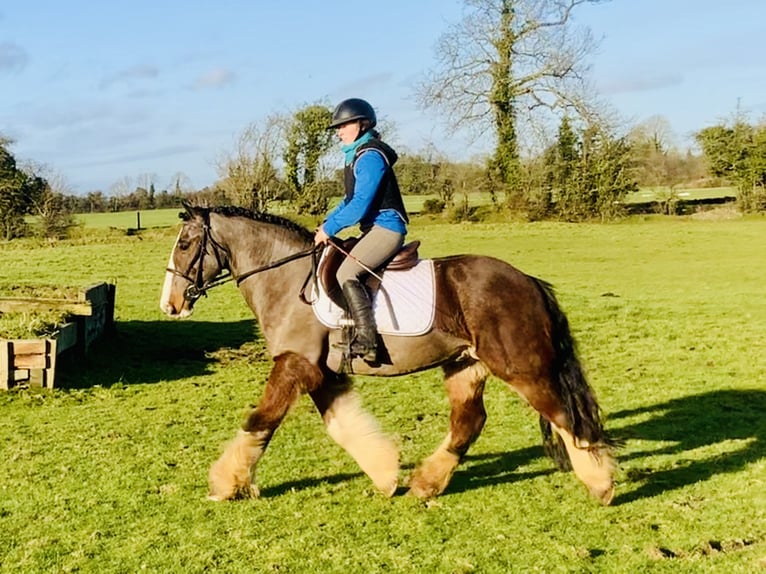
(489, 469)
(728, 426)
(483, 470)
(142, 352)
(707, 422)
(307, 483)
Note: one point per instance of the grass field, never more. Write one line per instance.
(109, 473)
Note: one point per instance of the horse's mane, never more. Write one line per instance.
(262, 216)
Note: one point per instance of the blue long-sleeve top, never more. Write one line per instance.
(369, 169)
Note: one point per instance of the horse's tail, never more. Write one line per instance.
(579, 399)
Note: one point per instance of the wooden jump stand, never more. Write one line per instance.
(34, 360)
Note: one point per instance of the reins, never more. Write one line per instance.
(277, 263)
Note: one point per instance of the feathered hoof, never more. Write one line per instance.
(388, 489)
(423, 488)
(226, 483)
(423, 493)
(603, 495)
(249, 491)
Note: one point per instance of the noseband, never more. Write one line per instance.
(199, 287)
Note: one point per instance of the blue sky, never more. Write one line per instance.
(103, 91)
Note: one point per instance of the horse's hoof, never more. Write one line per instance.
(422, 489)
(604, 496)
(423, 494)
(249, 491)
(390, 490)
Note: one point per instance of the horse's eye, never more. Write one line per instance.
(183, 244)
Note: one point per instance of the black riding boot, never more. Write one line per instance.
(366, 338)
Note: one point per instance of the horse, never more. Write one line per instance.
(490, 319)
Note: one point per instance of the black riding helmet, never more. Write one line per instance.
(351, 110)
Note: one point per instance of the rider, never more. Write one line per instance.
(373, 201)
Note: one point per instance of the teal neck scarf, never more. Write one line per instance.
(350, 149)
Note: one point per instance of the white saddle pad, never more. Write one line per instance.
(403, 304)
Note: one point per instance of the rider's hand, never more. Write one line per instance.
(320, 237)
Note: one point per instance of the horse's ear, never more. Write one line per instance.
(186, 215)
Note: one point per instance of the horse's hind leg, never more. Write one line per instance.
(357, 432)
(592, 463)
(233, 474)
(465, 388)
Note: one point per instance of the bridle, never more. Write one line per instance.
(197, 284)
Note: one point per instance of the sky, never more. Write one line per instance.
(107, 92)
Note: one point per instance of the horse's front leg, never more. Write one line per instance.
(357, 432)
(233, 474)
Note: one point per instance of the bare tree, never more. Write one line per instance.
(249, 175)
(652, 144)
(122, 187)
(146, 180)
(179, 184)
(656, 132)
(119, 192)
(505, 59)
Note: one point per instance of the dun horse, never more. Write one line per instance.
(490, 319)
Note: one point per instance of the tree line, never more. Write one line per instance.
(585, 173)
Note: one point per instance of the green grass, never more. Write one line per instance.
(108, 474)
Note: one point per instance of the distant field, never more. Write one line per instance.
(655, 193)
(413, 203)
(128, 219)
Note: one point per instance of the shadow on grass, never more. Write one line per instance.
(141, 352)
(478, 471)
(693, 422)
(690, 423)
(475, 472)
(307, 483)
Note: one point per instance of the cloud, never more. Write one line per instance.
(365, 85)
(13, 58)
(129, 75)
(215, 78)
(642, 84)
(56, 117)
(160, 152)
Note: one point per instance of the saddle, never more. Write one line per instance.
(406, 258)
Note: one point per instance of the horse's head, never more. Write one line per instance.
(196, 260)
